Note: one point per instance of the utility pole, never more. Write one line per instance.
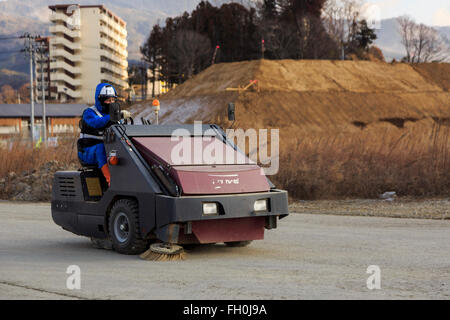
(30, 48)
(142, 81)
(44, 116)
(35, 92)
(145, 80)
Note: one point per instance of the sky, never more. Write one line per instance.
(430, 12)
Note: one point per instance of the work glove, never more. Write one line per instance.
(125, 114)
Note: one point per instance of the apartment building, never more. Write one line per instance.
(43, 66)
(88, 46)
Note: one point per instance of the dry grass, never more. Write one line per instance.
(19, 157)
(412, 162)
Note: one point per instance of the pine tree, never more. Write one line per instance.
(365, 36)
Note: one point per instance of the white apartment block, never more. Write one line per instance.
(88, 46)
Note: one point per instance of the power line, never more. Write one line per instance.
(7, 52)
(12, 38)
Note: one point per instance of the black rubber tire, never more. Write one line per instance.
(238, 243)
(134, 244)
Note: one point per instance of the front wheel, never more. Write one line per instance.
(124, 228)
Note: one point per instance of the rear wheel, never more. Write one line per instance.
(124, 228)
(238, 243)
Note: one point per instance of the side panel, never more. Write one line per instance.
(131, 174)
(87, 218)
(66, 190)
(92, 226)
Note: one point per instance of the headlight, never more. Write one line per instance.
(260, 205)
(209, 208)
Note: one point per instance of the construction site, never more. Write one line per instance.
(360, 143)
(347, 128)
(232, 155)
(311, 96)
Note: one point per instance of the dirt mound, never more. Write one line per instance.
(305, 95)
(339, 76)
(438, 73)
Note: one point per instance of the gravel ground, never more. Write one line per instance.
(309, 256)
(398, 208)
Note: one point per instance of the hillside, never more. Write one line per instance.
(340, 96)
(12, 78)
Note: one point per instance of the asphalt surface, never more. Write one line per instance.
(309, 256)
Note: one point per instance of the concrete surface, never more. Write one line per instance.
(308, 257)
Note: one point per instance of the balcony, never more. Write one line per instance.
(72, 94)
(113, 57)
(64, 65)
(114, 80)
(117, 37)
(55, 29)
(59, 16)
(63, 53)
(118, 71)
(59, 76)
(112, 46)
(63, 41)
(121, 30)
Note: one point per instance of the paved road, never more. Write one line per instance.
(307, 257)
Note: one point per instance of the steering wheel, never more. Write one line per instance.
(125, 121)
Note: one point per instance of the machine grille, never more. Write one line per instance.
(66, 187)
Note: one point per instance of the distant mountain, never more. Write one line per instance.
(12, 78)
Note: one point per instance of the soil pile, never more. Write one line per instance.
(303, 95)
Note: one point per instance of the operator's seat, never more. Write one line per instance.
(87, 166)
(93, 168)
(87, 173)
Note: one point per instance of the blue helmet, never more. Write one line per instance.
(103, 92)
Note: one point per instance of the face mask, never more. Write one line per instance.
(106, 107)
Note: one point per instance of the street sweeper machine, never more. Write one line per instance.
(165, 193)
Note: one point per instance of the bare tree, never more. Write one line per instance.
(422, 43)
(280, 39)
(406, 29)
(190, 51)
(341, 19)
(428, 45)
